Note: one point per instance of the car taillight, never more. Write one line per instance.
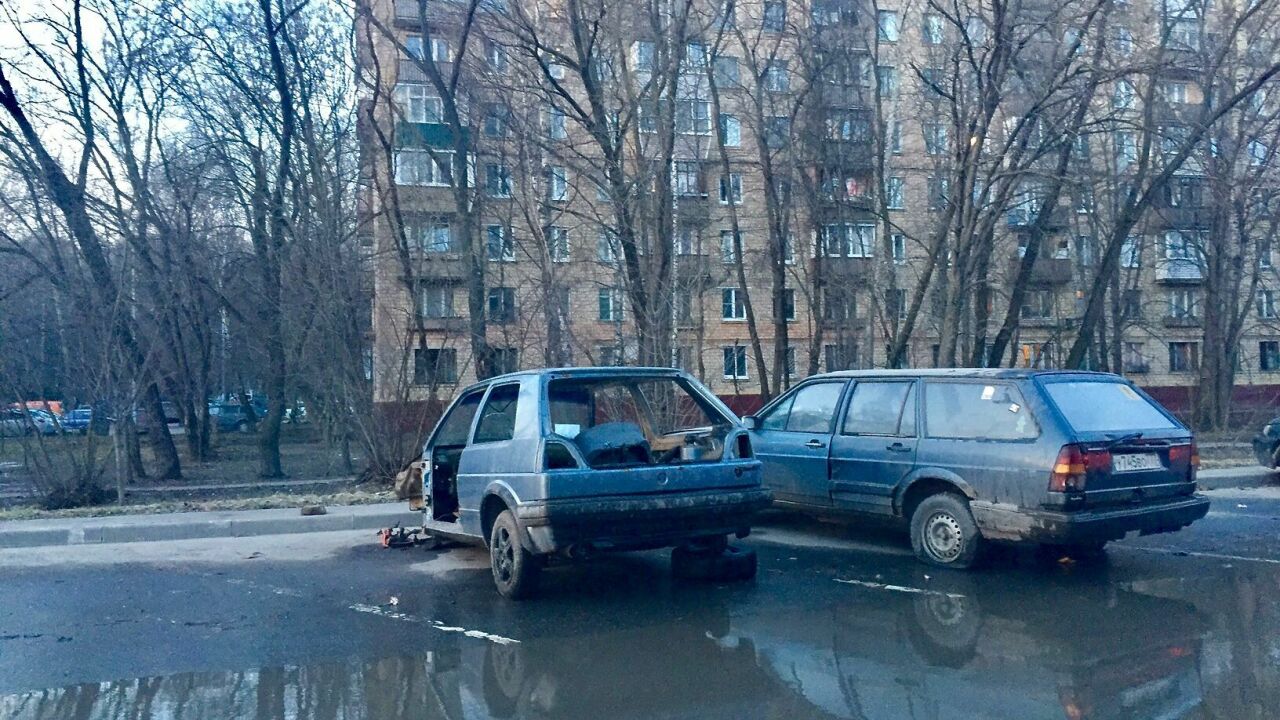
(1073, 465)
(1189, 454)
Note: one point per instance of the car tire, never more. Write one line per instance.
(943, 533)
(733, 564)
(515, 569)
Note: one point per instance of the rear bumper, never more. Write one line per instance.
(639, 521)
(1003, 522)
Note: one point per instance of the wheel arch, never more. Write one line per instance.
(497, 497)
(925, 482)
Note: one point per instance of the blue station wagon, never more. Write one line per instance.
(578, 461)
(1065, 459)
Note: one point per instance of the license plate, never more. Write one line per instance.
(1134, 462)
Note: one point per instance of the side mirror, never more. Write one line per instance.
(751, 422)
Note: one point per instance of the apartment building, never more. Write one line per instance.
(693, 183)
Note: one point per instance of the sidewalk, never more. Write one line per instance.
(1247, 476)
(193, 525)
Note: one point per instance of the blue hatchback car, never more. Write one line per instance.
(1068, 459)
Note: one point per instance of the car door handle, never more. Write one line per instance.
(815, 444)
(897, 447)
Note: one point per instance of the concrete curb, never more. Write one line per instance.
(196, 525)
(1251, 476)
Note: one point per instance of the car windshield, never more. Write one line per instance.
(1106, 407)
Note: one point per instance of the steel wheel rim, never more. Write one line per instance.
(504, 554)
(943, 538)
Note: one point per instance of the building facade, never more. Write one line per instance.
(756, 191)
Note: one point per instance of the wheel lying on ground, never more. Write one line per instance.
(515, 569)
(944, 534)
(730, 564)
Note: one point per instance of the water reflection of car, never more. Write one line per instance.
(963, 457)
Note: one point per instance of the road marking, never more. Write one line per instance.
(899, 588)
(1192, 553)
(435, 624)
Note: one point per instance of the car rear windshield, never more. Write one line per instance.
(1106, 407)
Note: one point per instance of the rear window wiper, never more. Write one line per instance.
(1112, 442)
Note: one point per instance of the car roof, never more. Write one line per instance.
(987, 373)
(609, 371)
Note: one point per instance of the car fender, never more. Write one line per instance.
(470, 518)
(932, 474)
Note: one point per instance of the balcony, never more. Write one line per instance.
(1181, 217)
(695, 270)
(1179, 271)
(1046, 271)
(1181, 321)
(441, 266)
(443, 324)
(422, 135)
(1024, 218)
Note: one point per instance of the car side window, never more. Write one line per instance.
(776, 418)
(878, 408)
(456, 425)
(814, 407)
(498, 417)
(977, 411)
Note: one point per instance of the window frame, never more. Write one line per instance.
(912, 396)
(484, 404)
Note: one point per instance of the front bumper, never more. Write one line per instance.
(1001, 522)
(632, 522)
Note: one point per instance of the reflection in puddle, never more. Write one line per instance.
(1078, 650)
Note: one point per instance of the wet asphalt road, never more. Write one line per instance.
(839, 624)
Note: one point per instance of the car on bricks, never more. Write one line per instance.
(579, 461)
(1068, 460)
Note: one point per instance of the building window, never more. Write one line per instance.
(1269, 355)
(895, 137)
(684, 307)
(730, 130)
(432, 237)
(777, 131)
(1131, 252)
(843, 356)
(688, 176)
(939, 190)
(731, 189)
(899, 243)
(935, 138)
(502, 305)
(1267, 304)
(497, 180)
(728, 246)
(732, 306)
(789, 361)
(607, 248)
(435, 366)
(435, 300)
(1184, 356)
(1174, 92)
(687, 241)
(496, 121)
(556, 129)
(497, 56)
(1264, 253)
(932, 30)
(776, 76)
(1135, 360)
(693, 117)
(1035, 355)
(642, 56)
(1084, 250)
(1182, 304)
(1126, 148)
(887, 26)
(498, 244)
(725, 71)
(505, 360)
(855, 240)
(895, 193)
(1131, 304)
(610, 305)
(775, 16)
(887, 80)
(439, 48)
(419, 167)
(975, 29)
(1124, 42)
(557, 243)
(839, 305)
(557, 183)
(417, 104)
(1037, 304)
(735, 362)
(788, 304)
(1122, 95)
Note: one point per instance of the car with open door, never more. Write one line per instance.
(579, 461)
(1068, 460)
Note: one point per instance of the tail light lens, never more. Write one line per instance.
(1074, 463)
(1188, 454)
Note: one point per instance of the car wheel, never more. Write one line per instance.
(944, 534)
(515, 569)
(733, 564)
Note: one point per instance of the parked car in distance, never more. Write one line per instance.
(1266, 444)
(1065, 459)
(13, 423)
(231, 417)
(585, 460)
(83, 419)
(43, 422)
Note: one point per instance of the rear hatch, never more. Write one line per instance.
(1132, 450)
